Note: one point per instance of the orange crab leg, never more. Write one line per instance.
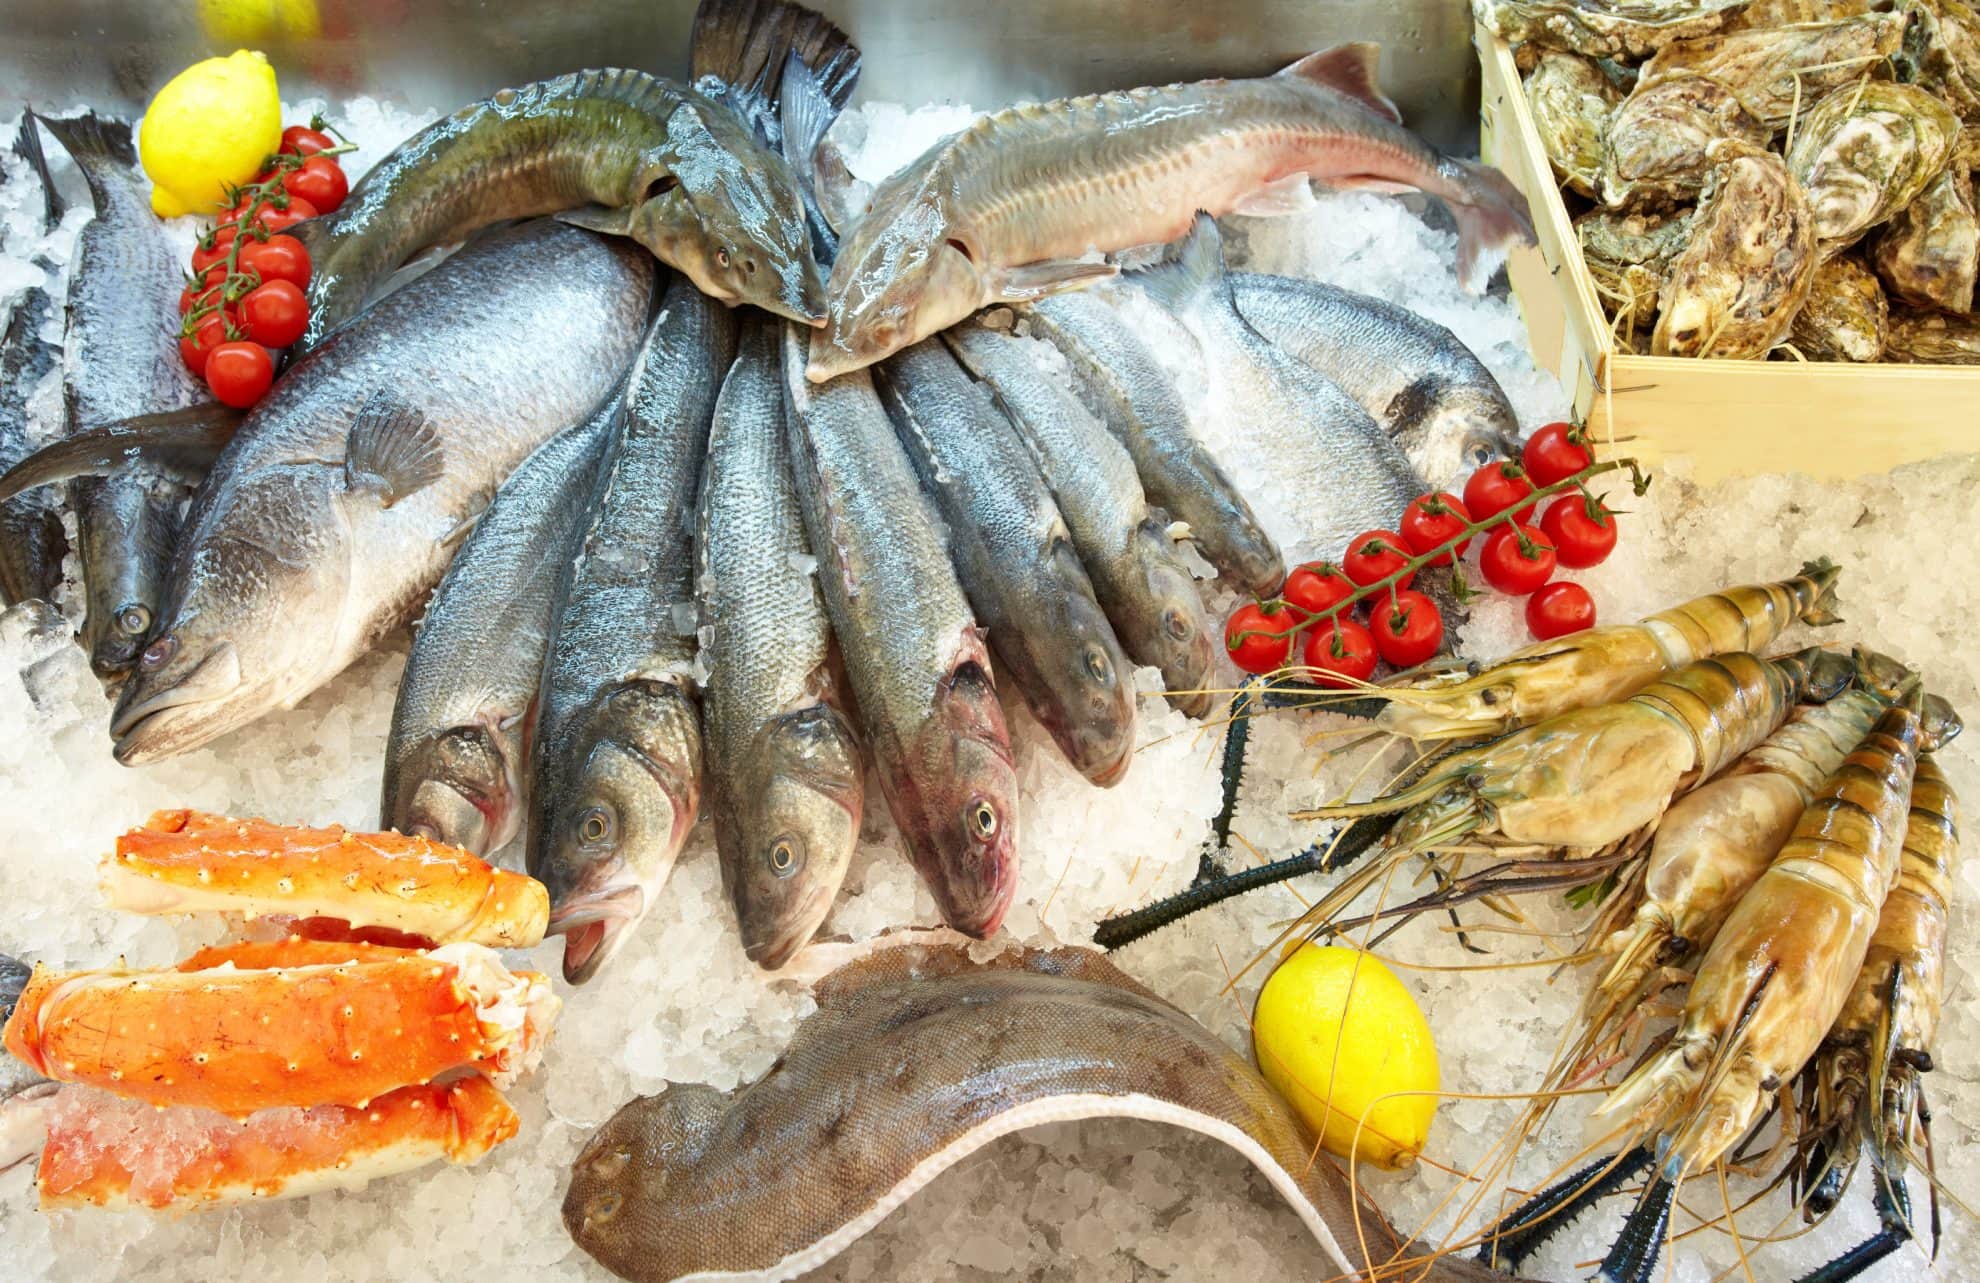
(290, 951)
(193, 861)
(105, 1151)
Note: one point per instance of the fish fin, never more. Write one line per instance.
(1350, 70)
(1196, 272)
(1036, 280)
(1289, 195)
(613, 221)
(393, 451)
(747, 45)
(175, 443)
(95, 143)
(1492, 217)
(831, 194)
(27, 145)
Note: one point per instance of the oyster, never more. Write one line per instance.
(1933, 338)
(1941, 52)
(1846, 315)
(1630, 257)
(1763, 68)
(1764, 14)
(1604, 28)
(1865, 152)
(1733, 292)
(1571, 97)
(1930, 252)
(1655, 149)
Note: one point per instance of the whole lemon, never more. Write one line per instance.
(209, 128)
(1336, 1033)
(233, 21)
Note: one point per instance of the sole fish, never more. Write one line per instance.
(1016, 559)
(617, 758)
(914, 654)
(1010, 208)
(1126, 546)
(31, 540)
(1418, 380)
(455, 761)
(330, 515)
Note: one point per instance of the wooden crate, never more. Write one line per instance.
(1732, 418)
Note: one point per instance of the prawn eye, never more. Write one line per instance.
(1096, 664)
(595, 825)
(134, 621)
(983, 821)
(783, 857)
(159, 653)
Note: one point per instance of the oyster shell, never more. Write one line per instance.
(1763, 14)
(1933, 338)
(1630, 256)
(1604, 28)
(1941, 52)
(1655, 150)
(1865, 152)
(1733, 292)
(1929, 253)
(1571, 97)
(1846, 315)
(1762, 67)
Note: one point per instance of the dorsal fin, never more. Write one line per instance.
(1349, 69)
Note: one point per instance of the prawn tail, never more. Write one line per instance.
(1815, 583)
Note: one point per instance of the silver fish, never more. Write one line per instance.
(786, 782)
(456, 755)
(1016, 559)
(1120, 380)
(913, 652)
(31, 539)
(331, 514)
(617, 759)
(1436, 398)
(1127, 547)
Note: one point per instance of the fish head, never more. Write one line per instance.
(1470, 429)
(461, 788)
(897, 280)
(1092, 710)
(1178, 636)
(793, 835)
(615, 824)
(633, 1183)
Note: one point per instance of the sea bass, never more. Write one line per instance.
(455, 758)
(617, 758)
(1016, 559)
(786, 782)
(1119, 379)
(31, 539)
(331, 514)
(1010, 208)
(1126, 545)
(913, 652)
(1418, 380)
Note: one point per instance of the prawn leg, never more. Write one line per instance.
(1532, 1223)
(1632, 1258)
(1893, 1205)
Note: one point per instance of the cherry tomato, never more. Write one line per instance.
(205, 255)
(1582, 538)
(1431, 521)
(1408, 628)
(1511, 569)
(279, 258)
(304, 141)
(1376, 554)
(1555, 453)
(239, 373)
(320, 181)
(194, 348)
(1559, 609)
(272, 219)
(1316, 586)
(1495, 488)
(1340, 646)
(1257, 653)
(275, 314)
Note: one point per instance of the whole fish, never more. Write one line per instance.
(1016, 559)
(31, 539)
(1120, 380)
(1418, 380)
(333, 511)
(1009, 209)
(617, 757)
(1126, 545)
(786, 783)
(1334, 471)
(455, 759)
(913, 652)
(119, 361)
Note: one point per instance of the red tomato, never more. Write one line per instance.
(1408, 628)
(304, 141)
(213, 247)
(1374, 555)
(1582, 537)
(1495, 488)
(272, 219)
(1555, 453)
(1340, 646)
(320, 181)
(1512, 569)
(1249, 648)
(194, 348)
(279, 258)
(275, 314)
(239, 373)
(1316, 586)
(1433, 520)
(1559, 609)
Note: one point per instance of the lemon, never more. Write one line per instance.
(241, 21)
(1337, 1033)
(209, 128)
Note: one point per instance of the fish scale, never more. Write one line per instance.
(31, 542)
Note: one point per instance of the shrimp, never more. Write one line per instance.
(1602, 665)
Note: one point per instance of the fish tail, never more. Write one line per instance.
(27, 145)
(96, 143)
(1194, 276)
(746, 44)
(1492, 217)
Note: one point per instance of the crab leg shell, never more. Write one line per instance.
(193, 862)
(290, 951)
(105, 1151)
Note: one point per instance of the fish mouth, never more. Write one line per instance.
(774, 949)
(1115, 771)
(147, 728)
(595, 926)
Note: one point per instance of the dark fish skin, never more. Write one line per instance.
(31, 539)
(618, 756)
(1016, 559)
(331, 514)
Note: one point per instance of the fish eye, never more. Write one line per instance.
(159, 653)
(783, 857)
(983, 821)
(1096, 664)
(1481, 453)
(134, 621)
(721, 258)
(603, 1208)
(595, 825)
(1177, 624)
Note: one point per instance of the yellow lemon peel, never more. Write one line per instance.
(209, 129)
